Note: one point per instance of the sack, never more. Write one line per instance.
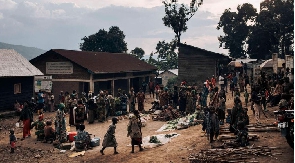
(95, 142)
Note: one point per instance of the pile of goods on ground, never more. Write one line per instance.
(183, 123)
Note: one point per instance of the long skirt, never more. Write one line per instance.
(140, 106)
(26, 128)
(90, 116)
(71, 116)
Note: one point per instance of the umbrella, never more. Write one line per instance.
(269, 63)
(235, 64)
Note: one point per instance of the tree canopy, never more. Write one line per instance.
(177, 16)
(167, 57)
(105, 41)
(259, 34)
(138, 52)
(236, 27)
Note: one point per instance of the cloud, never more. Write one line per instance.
(51, 25)
(7, 4)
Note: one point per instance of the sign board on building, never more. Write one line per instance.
(43, 83)
(289, 61)
(59, 68)
(275, 62)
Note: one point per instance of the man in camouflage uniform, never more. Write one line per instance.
(211, 124)
(79, 114)
(101, 107)
(238, 114)
(39, 127)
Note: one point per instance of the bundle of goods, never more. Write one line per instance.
(182, 123)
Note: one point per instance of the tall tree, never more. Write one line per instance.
(236, 27)
(105, 41)
(138, 52)
(168, 58)
(177, 16)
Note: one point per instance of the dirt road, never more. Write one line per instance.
(191, 140)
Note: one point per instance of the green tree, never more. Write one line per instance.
(236, 27)
(168, 58)
(151, 60)
(176, 16)
(105, 41)
(171, 82)
(138, 52)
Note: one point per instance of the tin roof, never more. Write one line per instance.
(173, 71)
(103, 62)
(14, 64)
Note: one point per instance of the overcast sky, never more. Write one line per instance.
(60, 24)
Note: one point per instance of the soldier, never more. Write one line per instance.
(101, 106)
(132, 97)
(210, 124)
(215, 100)
(237, 114)
(39, 127)
(221, 110)
(67, 102)
(182, 101)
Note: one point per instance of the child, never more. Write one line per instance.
(246, 95)
(12, 141)
(49, 132)
(109, 138)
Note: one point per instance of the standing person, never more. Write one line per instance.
(157, 90)
(124, 100)
(140, 100)
(235, 80)
(175, 97)
(61, 97)
(152, 88)
(143, 86)
(12, 140)
(101, 107)
(109, 139)
(79, 114)
(40, 101)
(213, 81)
(257, 103)
(60, 124)
(132, 97)
(221, 81)
(51, 102)
(26, 116)
(225, 83)
(211, 124)
(134, 131)
(91, 108)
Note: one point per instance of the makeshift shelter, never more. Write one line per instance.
(269, 63)
(235, 64)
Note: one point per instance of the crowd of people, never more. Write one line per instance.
(210, 99)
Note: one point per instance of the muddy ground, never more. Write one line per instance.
(191, 140)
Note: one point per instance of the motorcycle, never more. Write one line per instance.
(285, 122)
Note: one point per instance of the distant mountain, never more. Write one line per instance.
(28, 52)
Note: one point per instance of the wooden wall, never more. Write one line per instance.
(7, 96)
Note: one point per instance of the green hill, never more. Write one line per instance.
(28, 52)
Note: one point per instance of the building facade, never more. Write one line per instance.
(195, 65)
(93, 71)
(16, 79)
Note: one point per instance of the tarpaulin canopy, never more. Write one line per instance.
(235, 64)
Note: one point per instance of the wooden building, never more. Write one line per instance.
(195, 65)
(16, 79)
(86, 71)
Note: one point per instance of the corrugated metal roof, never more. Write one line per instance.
(103, 62)
(14, 64)
(247, 60)
(174, 71)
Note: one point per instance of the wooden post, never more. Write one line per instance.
(113, 88)
(91, 83)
